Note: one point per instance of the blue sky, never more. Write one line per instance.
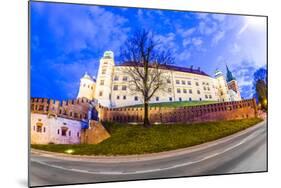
(68, 40)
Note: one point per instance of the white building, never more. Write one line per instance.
(46, 129)
(183, 84)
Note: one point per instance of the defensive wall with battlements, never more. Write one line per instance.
(202, 113)
(76, 109)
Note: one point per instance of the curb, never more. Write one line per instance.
(144, 157)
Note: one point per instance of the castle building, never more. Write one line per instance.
(111, 88)
(232, 83)
(87, 87)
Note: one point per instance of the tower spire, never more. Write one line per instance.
(229, 75)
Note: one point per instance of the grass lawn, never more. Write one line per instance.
(135, 139)
(177, 104)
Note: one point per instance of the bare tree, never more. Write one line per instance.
(145, 60)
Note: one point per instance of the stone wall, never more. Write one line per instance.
(211, 112)
(95, 134)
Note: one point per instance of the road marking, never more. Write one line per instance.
(151, 170)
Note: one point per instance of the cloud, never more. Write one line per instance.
(218, 17)
(183, 56)
(185, 33)
(167, 41)
(235, 48)
(85, 27)
(196, 41)
(244, 73)
(207, 28)
(217, 37)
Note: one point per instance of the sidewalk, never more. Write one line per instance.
(144, 157)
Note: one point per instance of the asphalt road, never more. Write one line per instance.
(243, 152)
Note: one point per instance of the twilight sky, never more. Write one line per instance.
(68, 40)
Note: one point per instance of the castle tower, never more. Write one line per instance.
(232, 83)
(87, 87)
(104, 79)
(222, 86)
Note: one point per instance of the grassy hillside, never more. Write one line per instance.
(135, 139)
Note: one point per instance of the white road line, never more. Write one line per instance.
(151, 170)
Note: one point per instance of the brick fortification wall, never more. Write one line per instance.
(76, 109)
(203, 113)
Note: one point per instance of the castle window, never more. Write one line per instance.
(69, 133)
(136, 98)
(92, 88)
(200, 99)
(207, 83)
(190, 91)
(124, 88)
(177, 82)
(63, 131)
(124, 97)
(116, 78)
(208, 89)
(100, 94)
(189, 82)
(33, 128)
(115, 87)
(183, 82)
(88, 86)
(178, 90)
(84, 85)
(58, 131)
(157, 98)
(168, 81)
(197, 84)
(180, 99)
(102, 82)
(170, 99)
(203, 83)
(204, 88)
(190, 99)
(198, 91)
(103, 71)
(78, 134)
(118, 97)
(125, 78)
(169, 90)
(38, 129)
(206, 96)
(210, 96)
(44, 129)
(184, 91)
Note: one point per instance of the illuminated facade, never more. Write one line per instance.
(111, 88)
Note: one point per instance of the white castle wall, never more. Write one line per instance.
(177, 90)
(51, 130)
(202, 87)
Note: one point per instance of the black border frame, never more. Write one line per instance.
(121, 6)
